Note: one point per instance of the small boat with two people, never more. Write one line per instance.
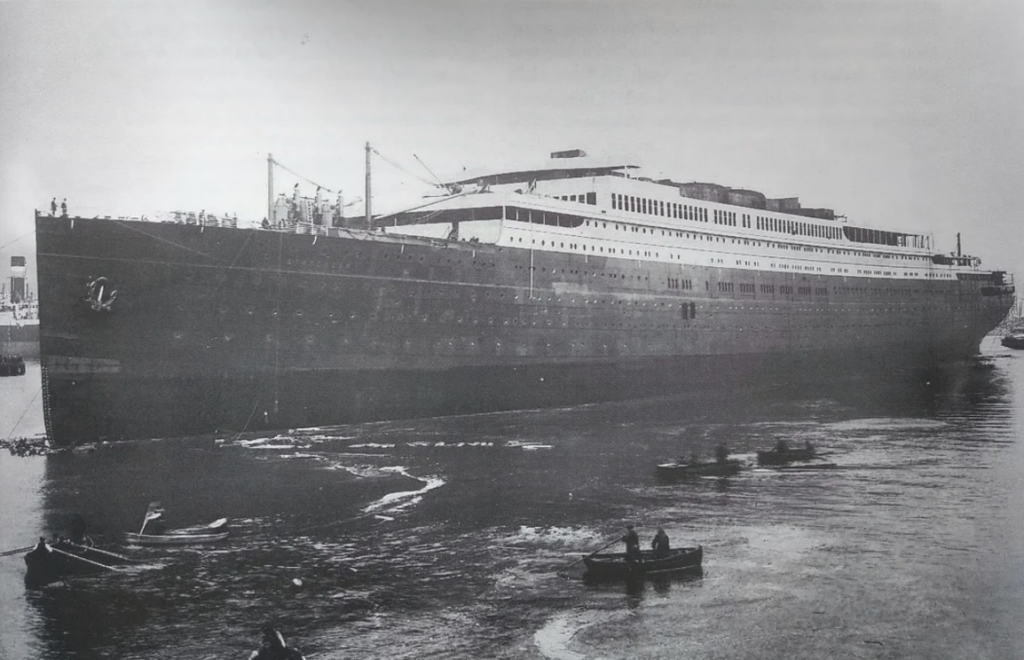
(782, 453)
(722, 466)
(67, 557)
(635, 564)
(617, 566)
(49, 562)
(158, 536)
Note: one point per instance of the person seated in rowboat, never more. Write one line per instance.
(156, 525)
(781, 446)
(660, 544)
(632, 542)
(722, 454)
(78, 536)
(42, 548)
(274, 648)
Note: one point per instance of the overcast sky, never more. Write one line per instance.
(904, 115)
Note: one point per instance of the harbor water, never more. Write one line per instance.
(460, 537)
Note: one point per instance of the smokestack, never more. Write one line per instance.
(17, 279)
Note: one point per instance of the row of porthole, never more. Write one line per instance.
(311, 339)
(298, 313)
(251, 311)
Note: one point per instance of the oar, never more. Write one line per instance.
(616, 540)
(16, 551)
(102, 552)
(153, 508)
(87, 561)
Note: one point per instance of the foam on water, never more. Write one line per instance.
(551, 537)
(555, 639)
(395, 502)
(888, 424)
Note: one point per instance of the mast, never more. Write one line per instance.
(369, 210)
(270, 187)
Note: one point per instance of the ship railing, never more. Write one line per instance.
(309, 229)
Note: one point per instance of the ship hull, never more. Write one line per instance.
(20, 340)
(152, 329)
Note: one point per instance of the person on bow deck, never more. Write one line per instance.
(660, 544)
(632, 542)
(53, 207)
(64, 208)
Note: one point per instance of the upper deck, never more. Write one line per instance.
(600, 209)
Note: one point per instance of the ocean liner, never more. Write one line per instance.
(577, 281)
(19, 315)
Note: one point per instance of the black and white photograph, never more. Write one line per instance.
(511, 329)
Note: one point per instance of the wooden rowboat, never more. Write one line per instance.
(781, 454)
(709, 469)
(49, 562)
(615, 566)
(215, 531)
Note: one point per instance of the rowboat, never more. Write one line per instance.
(781, 453)
(215, 531)
(48, 562)
(615, 566)
(706, 469)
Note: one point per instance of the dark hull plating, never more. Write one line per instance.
(216, 329)
(20, 340)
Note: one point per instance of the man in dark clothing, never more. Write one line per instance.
(53, 207)
(78, 531)
(660, 544)
(632, 542)
(274, 648)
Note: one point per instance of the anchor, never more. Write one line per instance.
(99, 295)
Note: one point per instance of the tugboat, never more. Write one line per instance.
(1015, 339)
(1014, 324)
(12, 365)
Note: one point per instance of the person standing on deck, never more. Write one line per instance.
(660, 544)
(53, 207)
(78, 536)
(64, 208)
(632, 542)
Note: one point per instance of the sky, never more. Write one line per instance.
(897, 114)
